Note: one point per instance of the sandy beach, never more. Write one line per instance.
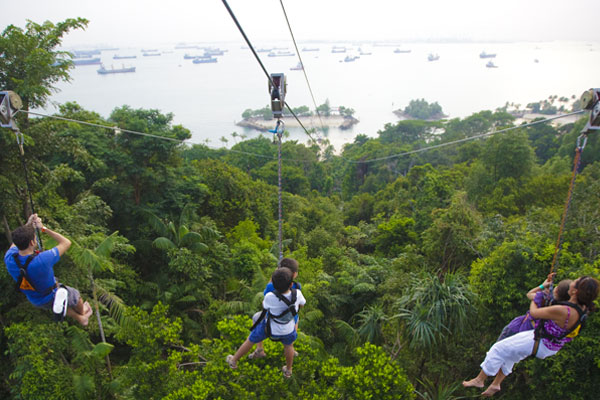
(333, 121)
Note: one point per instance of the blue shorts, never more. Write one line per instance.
(259, 334)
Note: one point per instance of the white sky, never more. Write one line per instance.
(154, 22)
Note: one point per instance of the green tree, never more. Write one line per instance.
(30, 64)
(324, 109)
(450, 241)
(434, 307)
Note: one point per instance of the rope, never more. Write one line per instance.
(20, 140)
(279, 194)
(279, 128)
(302, 64)
(576, 164)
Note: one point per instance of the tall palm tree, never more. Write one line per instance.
(95, 261)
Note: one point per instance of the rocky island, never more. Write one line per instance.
(330, 117)
(421, 109)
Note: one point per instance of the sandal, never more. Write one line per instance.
(287, 374)
(258, 353)
(232, 363)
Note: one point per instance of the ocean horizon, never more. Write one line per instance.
(210, 98)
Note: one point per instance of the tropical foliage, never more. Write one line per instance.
(410, 264)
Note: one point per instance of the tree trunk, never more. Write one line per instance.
(100, 326)
(7, 230)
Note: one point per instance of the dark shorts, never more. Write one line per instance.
(259, 334)
(72, 301)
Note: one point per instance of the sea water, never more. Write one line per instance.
(209, 99)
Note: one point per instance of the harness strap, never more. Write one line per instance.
(24, 282)
(270, 317)
(540, 331)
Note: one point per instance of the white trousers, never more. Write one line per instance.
(506, 353)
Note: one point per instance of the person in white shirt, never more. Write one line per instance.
(281, 306)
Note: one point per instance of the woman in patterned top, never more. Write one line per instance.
(557, 319)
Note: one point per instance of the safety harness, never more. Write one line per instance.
(24, 282)
(283, 318)
(541, 333)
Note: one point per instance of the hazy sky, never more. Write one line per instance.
(150, 22)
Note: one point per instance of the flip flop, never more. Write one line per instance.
(257, 354)
(287, 374)
(232, 363)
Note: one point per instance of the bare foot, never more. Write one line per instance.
(473, 383)
(87, 313)
(490, 391)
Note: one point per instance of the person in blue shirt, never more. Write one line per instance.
(280, 306)
(292, 265)
(40, 284)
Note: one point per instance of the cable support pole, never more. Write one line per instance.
(279, 134)
(20, 141)
(302, 64)
(576, 165)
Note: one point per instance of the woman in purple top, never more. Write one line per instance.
(541, 296)
(557, 320)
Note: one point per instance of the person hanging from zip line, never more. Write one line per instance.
(542, 297)
(292, 265)
(553, 330)
(34, 273)
(280, 307)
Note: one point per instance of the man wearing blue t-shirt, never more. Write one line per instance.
(40, 284)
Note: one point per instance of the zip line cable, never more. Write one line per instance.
(114, 128)
(307, 161)
(462, 140)
(302, 64)
(261, 64)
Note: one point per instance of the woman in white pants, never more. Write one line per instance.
(559, 319)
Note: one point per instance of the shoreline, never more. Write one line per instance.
(333, 121)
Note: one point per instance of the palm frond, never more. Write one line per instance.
(235, 307)
(198, 247)
(117, 310)
(345, 331)
(313, 316)
(84, 386)
(156, 223)
(187, 215)
(189, 238)
(163, 243)
(80, 341)
(182, 231)
(105, 248)
(90, 259)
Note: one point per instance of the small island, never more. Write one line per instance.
(330, 117)
(421, 109)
